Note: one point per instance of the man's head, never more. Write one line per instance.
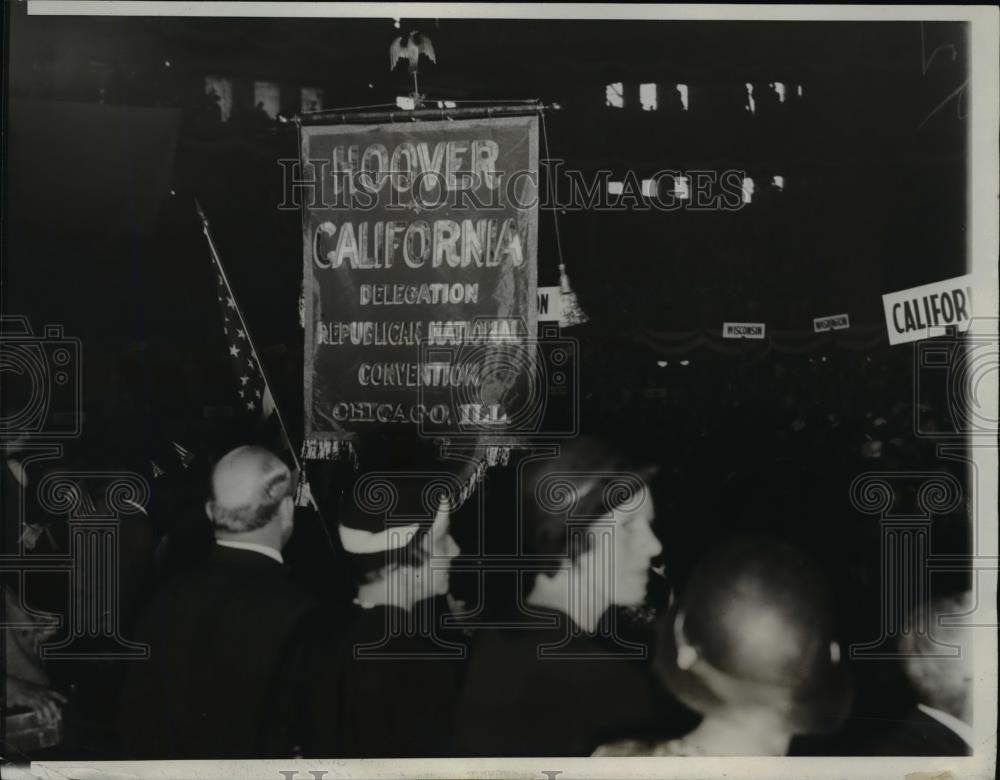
(588, 502)
(252, 497)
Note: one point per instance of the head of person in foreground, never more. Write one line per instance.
(252, 498)
(752, 646)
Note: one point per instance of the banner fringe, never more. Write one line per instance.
(303, 493)
(329, 449)
(492, 456)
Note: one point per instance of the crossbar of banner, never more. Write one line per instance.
(417, 114)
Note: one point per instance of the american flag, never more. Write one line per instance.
(251, 383)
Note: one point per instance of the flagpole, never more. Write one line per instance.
(218, 261)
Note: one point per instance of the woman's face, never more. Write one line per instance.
(635, 546)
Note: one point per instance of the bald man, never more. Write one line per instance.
(251, 507)
(226, 636)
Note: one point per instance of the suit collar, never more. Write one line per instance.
(962, 729)
(262, 549)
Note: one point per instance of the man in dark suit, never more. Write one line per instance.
(937, 663)
(225, 636)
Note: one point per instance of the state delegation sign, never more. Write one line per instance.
(743, 330)
(929, 310)
(549, 304)
(420, 273)
(833, 322)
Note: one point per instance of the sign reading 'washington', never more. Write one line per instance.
(833, 322)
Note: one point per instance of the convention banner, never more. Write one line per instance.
(420, 275)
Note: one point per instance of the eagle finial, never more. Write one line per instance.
(410, 49)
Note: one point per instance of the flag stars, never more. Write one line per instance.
(250, 383)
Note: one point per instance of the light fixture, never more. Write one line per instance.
(614, 95)
(648, 97)
(681, 190)
(682, 90)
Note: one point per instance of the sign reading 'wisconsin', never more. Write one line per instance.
(420, 272)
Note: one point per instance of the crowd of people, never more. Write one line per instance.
(693, 593)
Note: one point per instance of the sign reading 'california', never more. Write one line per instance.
(929, 310)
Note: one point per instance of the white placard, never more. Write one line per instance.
(833, 322)
(927, 311)
(549, 304)
(743, 330)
